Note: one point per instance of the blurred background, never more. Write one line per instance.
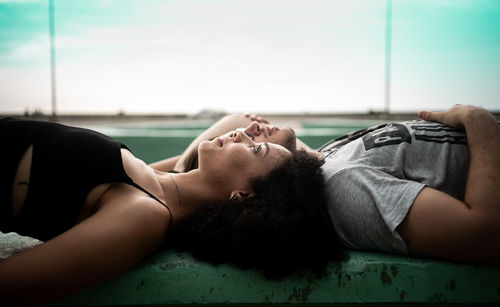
(263, 56)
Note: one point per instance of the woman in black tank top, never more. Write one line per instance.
(234, 207)
(100, 210)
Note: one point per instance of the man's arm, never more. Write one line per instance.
(303, 146)
(441, 226)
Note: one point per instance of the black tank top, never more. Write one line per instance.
(67, 163)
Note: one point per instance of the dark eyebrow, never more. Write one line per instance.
(267, 151)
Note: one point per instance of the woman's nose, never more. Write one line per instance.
(241, 136)
(249, 134)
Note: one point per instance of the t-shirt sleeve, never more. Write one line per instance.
(366, 205)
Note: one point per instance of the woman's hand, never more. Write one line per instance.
(456, 116)
(254, 117)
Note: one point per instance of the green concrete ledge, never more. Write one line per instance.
(169, 278)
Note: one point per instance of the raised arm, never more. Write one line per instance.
(224, 125)
(109, 242)
(441, 226)
(166, 164)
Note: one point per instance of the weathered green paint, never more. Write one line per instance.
(177, 279)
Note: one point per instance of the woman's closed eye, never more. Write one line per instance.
(256, 149)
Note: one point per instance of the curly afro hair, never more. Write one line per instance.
(283, 229)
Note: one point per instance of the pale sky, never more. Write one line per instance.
(182, 56)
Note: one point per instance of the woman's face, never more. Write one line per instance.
(235, 158)
(260, 132)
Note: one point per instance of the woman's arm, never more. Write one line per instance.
(441, 226)
(224, 125)
(165, 165)
(109, 242)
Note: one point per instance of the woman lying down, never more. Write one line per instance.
(99, 210)
(424, 187)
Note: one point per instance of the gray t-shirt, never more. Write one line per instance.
(374, 175)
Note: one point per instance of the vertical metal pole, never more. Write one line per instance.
(52, 58)
(388, 46)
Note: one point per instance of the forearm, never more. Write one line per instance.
(440, 225)
(483, 137)
(482, 195)
(166, 164)
(224, 125)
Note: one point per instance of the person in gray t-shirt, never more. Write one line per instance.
(374, 175)
(423, 187)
